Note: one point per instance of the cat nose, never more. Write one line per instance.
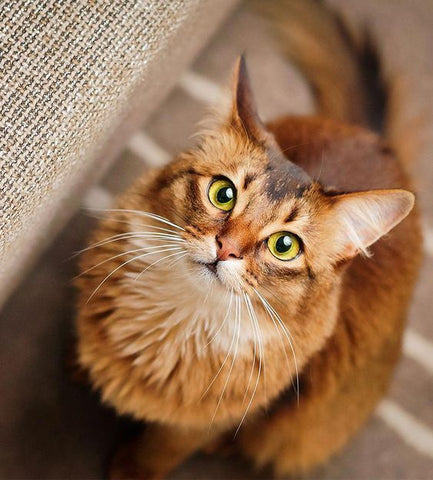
(227, 249)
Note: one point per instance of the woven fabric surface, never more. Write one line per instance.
(75, 77)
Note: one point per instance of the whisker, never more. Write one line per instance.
(286, 332)
(225, 359)
(104, 216)
(130, 235)
(223, 322)
(276, 326)
(254, 350)
(261, 345)
(130, 222)
(271, 316)
(122, 265)
(157, 261)
(290, 338)
(126, 253)
(178, 259)
(208, 293)
(279, 336)
(253, 316)
(278, 300)
(238, 324)
(141, 213)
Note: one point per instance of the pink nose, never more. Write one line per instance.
(227, 249)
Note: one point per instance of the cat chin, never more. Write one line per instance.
(227, 274)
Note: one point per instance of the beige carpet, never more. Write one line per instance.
(51, 428)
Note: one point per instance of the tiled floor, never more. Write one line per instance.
(51, 428)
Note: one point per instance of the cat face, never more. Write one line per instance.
(254, 221)
(249, 217)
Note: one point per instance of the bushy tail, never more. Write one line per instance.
(344, 69)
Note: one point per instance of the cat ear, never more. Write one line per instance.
(360, 219)
(244, 116)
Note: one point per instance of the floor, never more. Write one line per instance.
(53, 428)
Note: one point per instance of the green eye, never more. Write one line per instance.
(284, 245)
(222, 194)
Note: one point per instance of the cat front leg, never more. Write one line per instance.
(156, 451)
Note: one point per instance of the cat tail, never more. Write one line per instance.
(344, 68)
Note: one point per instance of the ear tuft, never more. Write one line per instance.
(244, 114)
(362, 218)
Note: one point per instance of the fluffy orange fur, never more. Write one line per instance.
(188, 322)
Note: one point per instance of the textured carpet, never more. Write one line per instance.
(52, 428)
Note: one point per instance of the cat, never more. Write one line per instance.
(256, 286)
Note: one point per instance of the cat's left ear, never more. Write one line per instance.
(357, 220)
(244, 116)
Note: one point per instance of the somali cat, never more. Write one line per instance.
(234, 293)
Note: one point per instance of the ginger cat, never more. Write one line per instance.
(235, 291)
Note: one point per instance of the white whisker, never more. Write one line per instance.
(127, 236)
(224, 320)
(261, 346)
(130, 222)
(225, 359)
(255, 320)
(254, 349)
(143, 214)
(178, 259)
(158, 261)
(167, 245)
(280, 337)
(238, 324)
(122, 265)
(272, 313)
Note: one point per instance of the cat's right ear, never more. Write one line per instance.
(244, 116)
(357, 220)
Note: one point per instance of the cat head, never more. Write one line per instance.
(254, 220)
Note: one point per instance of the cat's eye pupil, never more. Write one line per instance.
(222, 194)
(283, 244)
(225, 195)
